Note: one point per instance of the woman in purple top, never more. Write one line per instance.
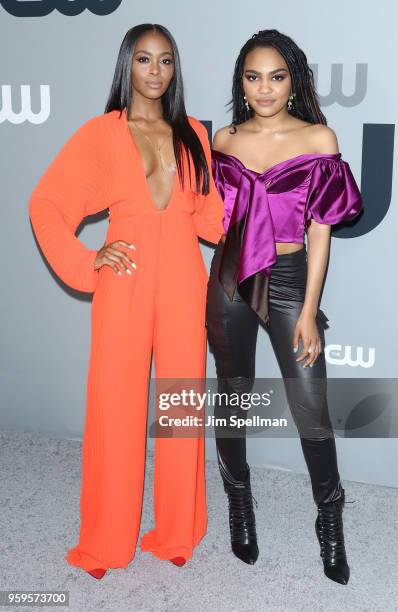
(281, 176)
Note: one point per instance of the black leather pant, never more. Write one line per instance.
(232, 328)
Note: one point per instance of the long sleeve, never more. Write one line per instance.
(209, 213)
(69, 190)
(333, 195)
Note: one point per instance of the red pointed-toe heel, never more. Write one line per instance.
(179, 561)
(97, 573)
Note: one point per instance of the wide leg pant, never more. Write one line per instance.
(232, 333)
(161, 307)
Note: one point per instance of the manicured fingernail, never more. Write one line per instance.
(311, 365)
(119, 272)
(133, 264)
(295, 349)
(131, 246)
(128, 271)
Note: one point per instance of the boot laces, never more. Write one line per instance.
(241, 515)
(330, 529)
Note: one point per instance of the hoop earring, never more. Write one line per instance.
(290, 104)
(246, 103)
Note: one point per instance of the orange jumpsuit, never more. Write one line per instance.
(161, 306)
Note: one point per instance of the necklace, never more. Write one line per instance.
(157, 147)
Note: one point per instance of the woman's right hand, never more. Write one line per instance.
(110, 255)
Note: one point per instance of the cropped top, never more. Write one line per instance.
(276, 206)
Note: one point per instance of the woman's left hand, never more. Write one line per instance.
(306, 328)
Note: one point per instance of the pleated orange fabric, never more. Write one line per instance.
(159, 308)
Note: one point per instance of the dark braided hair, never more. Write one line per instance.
(305, 103)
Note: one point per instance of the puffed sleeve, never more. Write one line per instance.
(333, 194)
(209, 212)
(70, 189)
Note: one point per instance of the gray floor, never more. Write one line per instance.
(40, 489)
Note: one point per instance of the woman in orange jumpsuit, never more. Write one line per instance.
(149, 283)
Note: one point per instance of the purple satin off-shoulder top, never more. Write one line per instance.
(276, 206)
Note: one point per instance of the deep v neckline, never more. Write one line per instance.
(137, 154)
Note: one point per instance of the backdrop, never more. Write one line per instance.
(58, 58)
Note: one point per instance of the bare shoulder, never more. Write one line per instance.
(323, 139)
(222, 138)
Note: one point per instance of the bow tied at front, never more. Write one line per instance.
(250, 242)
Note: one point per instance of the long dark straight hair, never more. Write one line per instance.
(174, 112)
(305, 103)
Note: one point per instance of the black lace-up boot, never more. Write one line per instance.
(329, 529)
(242, 522)
(329, 496)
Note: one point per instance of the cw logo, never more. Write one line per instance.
(376, 180)
(40, 8)
(339, 355)
(26, 114)
(336, 86)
